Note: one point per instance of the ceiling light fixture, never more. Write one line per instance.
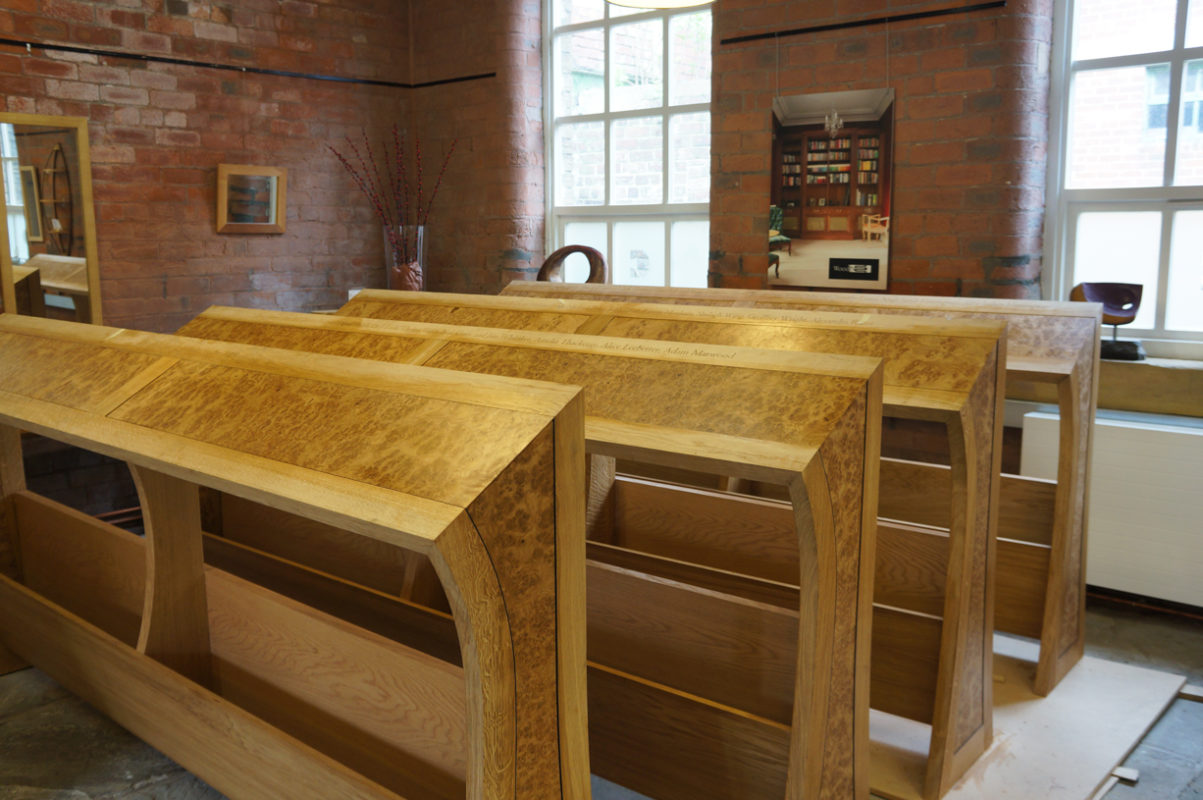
(833, 122)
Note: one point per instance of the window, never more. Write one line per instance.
(629, 140)
(1126, 162)
(14, 196)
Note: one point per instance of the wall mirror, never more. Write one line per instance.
(48, 255)
(250, 199)
(829, 212)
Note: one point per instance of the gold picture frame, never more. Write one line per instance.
(33, 204)
(250, 199)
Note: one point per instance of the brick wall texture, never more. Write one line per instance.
(971, 122)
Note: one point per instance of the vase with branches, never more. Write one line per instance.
(401, 207)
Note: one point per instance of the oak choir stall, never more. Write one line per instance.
(256, 691)
(1042, 527)
(931, 646)
(704, 681)
(413, 530)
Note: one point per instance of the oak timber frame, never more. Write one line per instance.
(1048, 342)
(806, 732)
(257, 694)
(933, 619)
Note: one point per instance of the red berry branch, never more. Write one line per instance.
(388, 192)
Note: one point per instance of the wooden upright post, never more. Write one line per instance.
(12, 479)
(175, 614)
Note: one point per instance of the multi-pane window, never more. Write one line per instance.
(14, 200)
(629, 139)
(1126, 187)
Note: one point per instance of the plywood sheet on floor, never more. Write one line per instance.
(1060, 747)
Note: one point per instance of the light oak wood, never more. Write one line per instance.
(655, 401)
(12, 480)
(290, 432)
(66, 276)
(95, 571)
(716, 751)
(175, 614)
(663, 631)
(1051, 343)
(236, 752)
(947, 372)
(331, 550)
(919, 492)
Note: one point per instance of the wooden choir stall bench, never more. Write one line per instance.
(263, 695)
(1042, 590)
(704, 682)
(933, 588)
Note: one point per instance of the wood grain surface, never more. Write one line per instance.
(390, 453)
(656, 400)
(1052, 343)
(946, 371)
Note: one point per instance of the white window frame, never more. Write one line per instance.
(14, 208)
(558, 217)
(1063, 206)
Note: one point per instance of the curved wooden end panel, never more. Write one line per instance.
(1063, 631)
(962, 722)
(486, 645)
(175, 612)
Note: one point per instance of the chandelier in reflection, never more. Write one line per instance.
(833, 122)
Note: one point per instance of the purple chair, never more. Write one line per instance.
(1121, 302)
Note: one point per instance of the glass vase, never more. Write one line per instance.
(405, 258)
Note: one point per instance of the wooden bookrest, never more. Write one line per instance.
(1047, 342)
(932, 642)
(703, 681)
(263, 696)
(66, 276)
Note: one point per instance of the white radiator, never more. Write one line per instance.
(1145, 529)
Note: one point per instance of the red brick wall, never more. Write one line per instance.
(970, 150)
(486, 228)
(158, 132)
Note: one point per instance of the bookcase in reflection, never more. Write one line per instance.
(826, 183)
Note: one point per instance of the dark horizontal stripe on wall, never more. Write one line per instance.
(861, 23)
(92, 51)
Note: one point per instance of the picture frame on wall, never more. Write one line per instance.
(831, 186)
(251, 199)
(33, 204)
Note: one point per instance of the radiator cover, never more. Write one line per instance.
(1145, 524)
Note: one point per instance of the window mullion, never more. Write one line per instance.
(1172, 112)
(1163, 268)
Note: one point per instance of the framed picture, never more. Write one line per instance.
(832, 183)
(33, 204)
(250, 199)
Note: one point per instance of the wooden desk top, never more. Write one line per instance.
(391, 452)
(929, 365)
(643, 399)
(1055, 333)
(62, 273)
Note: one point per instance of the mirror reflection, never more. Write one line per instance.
(48, 258)
(829, 213)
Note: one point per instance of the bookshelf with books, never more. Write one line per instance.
(826, 183)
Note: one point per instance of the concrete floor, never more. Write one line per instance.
(55, 747)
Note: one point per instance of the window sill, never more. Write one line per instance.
(1154, 386)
